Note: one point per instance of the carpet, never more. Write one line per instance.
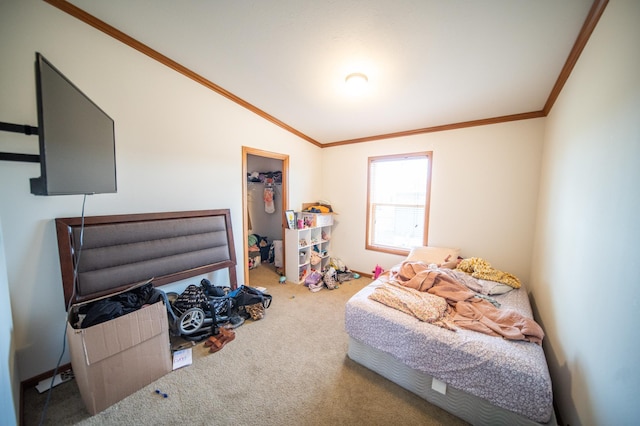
(289, 368)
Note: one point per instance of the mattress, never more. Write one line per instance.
(511, 375)
(468, 407)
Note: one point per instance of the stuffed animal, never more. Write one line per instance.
(377, 271)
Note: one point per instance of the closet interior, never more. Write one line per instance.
(264, 213)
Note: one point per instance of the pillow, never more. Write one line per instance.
(495, 288)
(437, 255)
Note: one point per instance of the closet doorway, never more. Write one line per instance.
(264, 201)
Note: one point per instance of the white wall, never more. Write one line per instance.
(483, 193)
(9, 383)
(586, 285)
(178, 147)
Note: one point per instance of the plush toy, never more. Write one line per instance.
(315, 258)
(377, 271)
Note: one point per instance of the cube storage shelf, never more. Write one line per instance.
(300, 245)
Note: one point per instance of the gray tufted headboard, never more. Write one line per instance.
(121, 250)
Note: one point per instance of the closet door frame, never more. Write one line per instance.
(284, 199)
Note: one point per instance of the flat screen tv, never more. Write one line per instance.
(77, 141)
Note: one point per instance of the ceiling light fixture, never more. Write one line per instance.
(356, 79)
(356, 84)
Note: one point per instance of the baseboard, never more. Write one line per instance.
(32, 382)
(363, 274)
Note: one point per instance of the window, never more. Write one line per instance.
(398, 202)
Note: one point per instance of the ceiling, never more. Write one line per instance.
(429, 63)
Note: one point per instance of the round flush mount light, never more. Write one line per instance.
(356, 83)
(356, 79)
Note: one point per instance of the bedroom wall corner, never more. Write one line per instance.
(9, 383)
(585, 285)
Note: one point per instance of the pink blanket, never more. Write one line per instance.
(470, 312)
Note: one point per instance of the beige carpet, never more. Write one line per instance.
(289, 368)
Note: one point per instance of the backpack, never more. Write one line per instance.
(250, 302)
(245, 296)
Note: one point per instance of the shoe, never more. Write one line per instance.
(216, 339)
(223, 338)
(234, 322)
(213, 341)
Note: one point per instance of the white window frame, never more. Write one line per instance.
(371, 243)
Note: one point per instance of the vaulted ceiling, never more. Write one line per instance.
(431, 64)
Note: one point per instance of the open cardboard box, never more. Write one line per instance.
(318, 219)
(307, 205)
(116, 358)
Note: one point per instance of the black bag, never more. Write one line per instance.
(192, 297)
(245, 296)
(221, 306)
(219, 301)
(213, 290)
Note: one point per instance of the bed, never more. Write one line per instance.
(482, 379)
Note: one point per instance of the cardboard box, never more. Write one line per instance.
(317, 219)
(116, 358)
(311, 220)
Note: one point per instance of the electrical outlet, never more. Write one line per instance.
(45, 385)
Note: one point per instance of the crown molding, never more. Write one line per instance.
(597, 8)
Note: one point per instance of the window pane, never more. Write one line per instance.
(399, 181)
(398, 226)
(398, 188)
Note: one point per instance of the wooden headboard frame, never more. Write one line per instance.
(119, 251)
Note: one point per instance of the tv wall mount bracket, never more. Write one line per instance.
(19, 128)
